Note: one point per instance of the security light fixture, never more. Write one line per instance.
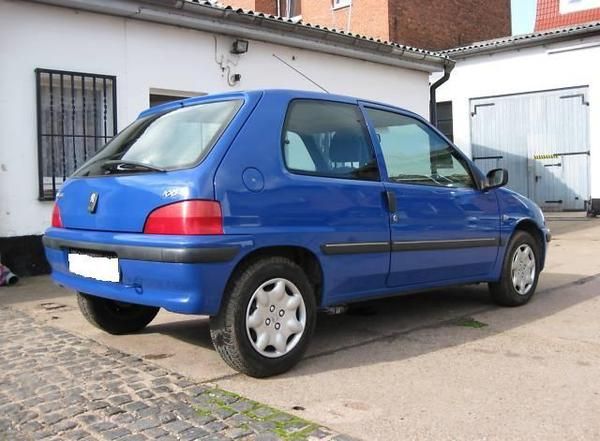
(239, 47)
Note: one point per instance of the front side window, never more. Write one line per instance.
(166, 141)
(324, 138)
(415, 154)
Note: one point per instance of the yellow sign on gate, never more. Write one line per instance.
(545, 156)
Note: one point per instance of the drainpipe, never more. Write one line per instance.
(432, 90)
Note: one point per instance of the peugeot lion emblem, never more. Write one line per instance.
(93, 203)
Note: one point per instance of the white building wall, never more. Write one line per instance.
(526, 70)
(146, 56)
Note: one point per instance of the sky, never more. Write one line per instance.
(523, 16)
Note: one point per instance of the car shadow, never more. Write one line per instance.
(195, 331)
(434, 320)
(385, 321)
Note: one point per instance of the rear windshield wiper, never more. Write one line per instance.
(129, 166)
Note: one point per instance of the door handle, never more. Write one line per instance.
(390, 198)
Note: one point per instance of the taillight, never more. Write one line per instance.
(56, 219)
(186, 217)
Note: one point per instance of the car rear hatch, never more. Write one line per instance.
(154, 162)
(122, 203)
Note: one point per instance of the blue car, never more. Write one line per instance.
(260, 208)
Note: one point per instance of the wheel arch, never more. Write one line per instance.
(302, 256)
(531, 227)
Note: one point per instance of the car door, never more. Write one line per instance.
(444, 229)
(332, 166)
(320, 189)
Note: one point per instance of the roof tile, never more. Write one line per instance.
(524, 39)
(316, 26)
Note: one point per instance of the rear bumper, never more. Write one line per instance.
(184, 274)
(206, 254)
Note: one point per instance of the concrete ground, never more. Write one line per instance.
(446, 364)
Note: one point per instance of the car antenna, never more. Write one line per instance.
(303, 74)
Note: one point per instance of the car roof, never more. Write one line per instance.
(285, 93)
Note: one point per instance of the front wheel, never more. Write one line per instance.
(520, 272)
(267, 319)
(115, 317)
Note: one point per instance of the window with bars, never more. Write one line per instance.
(76, 116)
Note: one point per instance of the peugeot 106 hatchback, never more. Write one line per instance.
(260, 208)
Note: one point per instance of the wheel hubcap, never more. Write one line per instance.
(523, 269)
(275, 318)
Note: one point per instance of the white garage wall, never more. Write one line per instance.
(564, 64)
(146, 56)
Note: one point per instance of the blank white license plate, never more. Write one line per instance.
(105, 269)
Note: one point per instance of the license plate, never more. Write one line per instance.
(105, 269)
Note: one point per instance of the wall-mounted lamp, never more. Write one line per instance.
(239, 47)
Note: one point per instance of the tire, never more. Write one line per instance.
(115, 317)
(521, 251)
(252, 316)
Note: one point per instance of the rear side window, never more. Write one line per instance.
(328, 139)
(167, 141)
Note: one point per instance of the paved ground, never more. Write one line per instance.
(440, 365)
(56, 385)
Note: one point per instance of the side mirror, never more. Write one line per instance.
(495, 178)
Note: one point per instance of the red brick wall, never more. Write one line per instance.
(266, 6)
(548, 16)
(367, 17)
(426, 24)
(244, 4)
(430, 24)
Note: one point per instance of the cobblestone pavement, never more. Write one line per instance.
(56, 385)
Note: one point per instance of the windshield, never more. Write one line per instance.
(166, 141)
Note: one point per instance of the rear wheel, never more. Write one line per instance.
(267, 319)
(115, 317)
(520, 271)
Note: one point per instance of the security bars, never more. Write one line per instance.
(76, 116)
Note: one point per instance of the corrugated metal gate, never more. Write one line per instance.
(542, 140)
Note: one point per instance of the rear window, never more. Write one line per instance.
(167, 141)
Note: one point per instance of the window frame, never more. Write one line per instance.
(344, 4)
(475, 176)
(366, 133)
(42, 194)
(450, 120)
(294, 4)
